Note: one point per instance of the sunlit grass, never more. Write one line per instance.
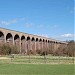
(38, 59)
(36, 69)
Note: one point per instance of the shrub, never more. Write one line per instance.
(6, 49)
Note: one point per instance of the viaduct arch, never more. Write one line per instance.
(26, 42)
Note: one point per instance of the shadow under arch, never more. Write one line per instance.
(33, 45)
(28, 44)
(23, 46)
(40, 44)
(9, 38)
(17, 42)
(2, 40)
(22, 37)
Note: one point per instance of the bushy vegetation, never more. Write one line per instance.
(62, 50)
(68, 50)
(7, 49)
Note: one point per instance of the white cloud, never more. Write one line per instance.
(9, 22)
(64, 36)
(68, 35)
(2, 22)
(28, 25)
(43, 35)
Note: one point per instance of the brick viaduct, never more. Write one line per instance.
(26, 42)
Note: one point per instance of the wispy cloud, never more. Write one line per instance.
(44, 35)
(2, 22)
(28, 25)
(68, 35)
(9, 22)
(46, 27)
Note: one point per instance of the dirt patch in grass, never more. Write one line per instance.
(1, 58)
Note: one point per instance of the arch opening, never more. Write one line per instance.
(40, 40)
(33, 45)
(9, 38)
(23, 44)
(23, 38)
(16, 37)
(46, 40)
(33, 39)
(1, 37)
(37, 46)
(28, 38)
(17, 42)
(36, 39)
(28, 45)
(40, 44)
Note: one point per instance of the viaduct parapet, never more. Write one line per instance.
(26, 42)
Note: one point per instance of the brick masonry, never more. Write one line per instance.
(26, 42)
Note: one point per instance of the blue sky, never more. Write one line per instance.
(49, 18)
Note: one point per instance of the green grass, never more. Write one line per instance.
(36, 69)
(20, 65)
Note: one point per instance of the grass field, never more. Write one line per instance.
(36, 65)
(21, 59)
(36, 69)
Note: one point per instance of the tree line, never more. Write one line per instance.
(68, 50)
(62, 50)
